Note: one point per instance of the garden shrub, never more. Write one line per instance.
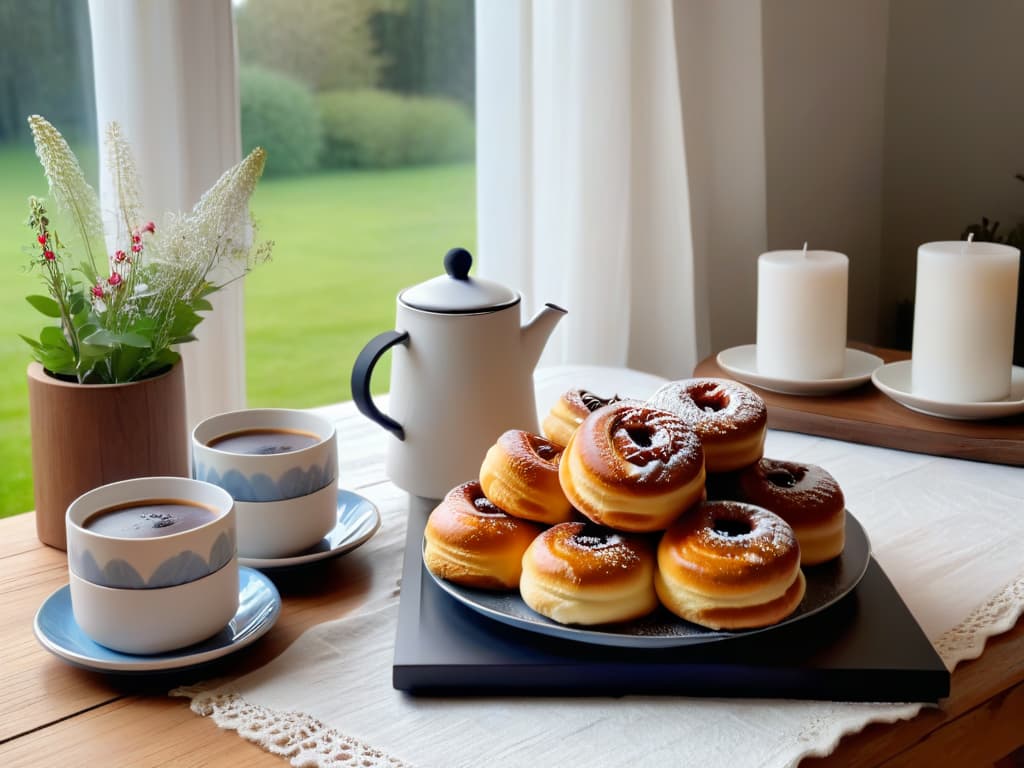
(362, 129)
(438, 131)
(382, 129)
(280, 115)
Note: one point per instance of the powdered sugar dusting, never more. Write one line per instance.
(655, 445)
(591, 550)
(769, 536)
(713, 407)
(600, 541)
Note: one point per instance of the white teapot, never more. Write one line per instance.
(461, 374)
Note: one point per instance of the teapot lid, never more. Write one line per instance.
(456, 292)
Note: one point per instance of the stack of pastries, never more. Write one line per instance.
(608, 515)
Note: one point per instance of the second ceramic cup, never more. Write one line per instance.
(278, 465)
(265, 454)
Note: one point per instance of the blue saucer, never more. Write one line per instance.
(358, 520)
(258, 607)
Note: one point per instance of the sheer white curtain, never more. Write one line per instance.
(582, 177)
(166, 71)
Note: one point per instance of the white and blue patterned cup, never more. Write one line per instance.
(276, 473)
(281, 467)
(153, 563)
(163, 556)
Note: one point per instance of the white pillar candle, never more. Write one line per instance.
(801, 314)
(966, 301)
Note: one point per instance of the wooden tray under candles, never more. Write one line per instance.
(865, 415)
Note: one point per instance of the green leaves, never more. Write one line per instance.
(105, 338)
(44, 304)
(52, 336)
(185, 321)
(121, 310)
(53, 351)
(95, 352)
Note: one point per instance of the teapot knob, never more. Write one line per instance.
(457, 263)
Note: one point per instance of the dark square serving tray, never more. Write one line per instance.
(867, 647)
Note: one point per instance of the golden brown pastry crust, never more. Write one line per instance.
(728, 565)
(730, 418)
(570, 411)
(520, 475)
(632, 468)
(580, 573)
(804, 495)
(470, 541)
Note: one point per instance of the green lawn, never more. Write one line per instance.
(346, 243)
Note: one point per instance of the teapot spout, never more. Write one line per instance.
(536, 332)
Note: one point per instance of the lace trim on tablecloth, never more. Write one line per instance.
(996, 615)
(303, 740)
(308, 743)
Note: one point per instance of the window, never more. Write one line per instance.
(45, 68)
(365, 108)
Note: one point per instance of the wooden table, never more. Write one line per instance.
(52, 713)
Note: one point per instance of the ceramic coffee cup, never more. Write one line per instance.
(281, 468)
(271, 529)
(265, 454)
(150, 532)
(152, 563)
(148, 621)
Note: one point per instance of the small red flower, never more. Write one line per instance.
(49, 255)
(136, 237)
(150, 227)
(136, 247)
(120, 256)
(42, 239)
(97, 291)
(114, 279)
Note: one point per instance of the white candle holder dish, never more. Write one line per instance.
(894, 380)
(741, 364)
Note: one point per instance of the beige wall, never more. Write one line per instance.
(954, 128)
(862, 126)
(720, 66)
(824, 96)
(783, 105)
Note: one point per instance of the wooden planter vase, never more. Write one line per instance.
(87, 435)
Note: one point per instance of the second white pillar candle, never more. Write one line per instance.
(964, 310)
(801, 314)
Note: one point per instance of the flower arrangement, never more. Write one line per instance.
(122, 309)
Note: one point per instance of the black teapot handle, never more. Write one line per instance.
(363, 370)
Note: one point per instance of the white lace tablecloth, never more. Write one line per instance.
(945, 531)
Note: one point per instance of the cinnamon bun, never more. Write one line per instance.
(730, 418)
(727, 565)
(470, 541)
(520, 475)
(632, 468)
(570, 411)
(580, 573)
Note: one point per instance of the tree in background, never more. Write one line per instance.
(326, 44)
(45, 67)
(428, 48)
(394, 81)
